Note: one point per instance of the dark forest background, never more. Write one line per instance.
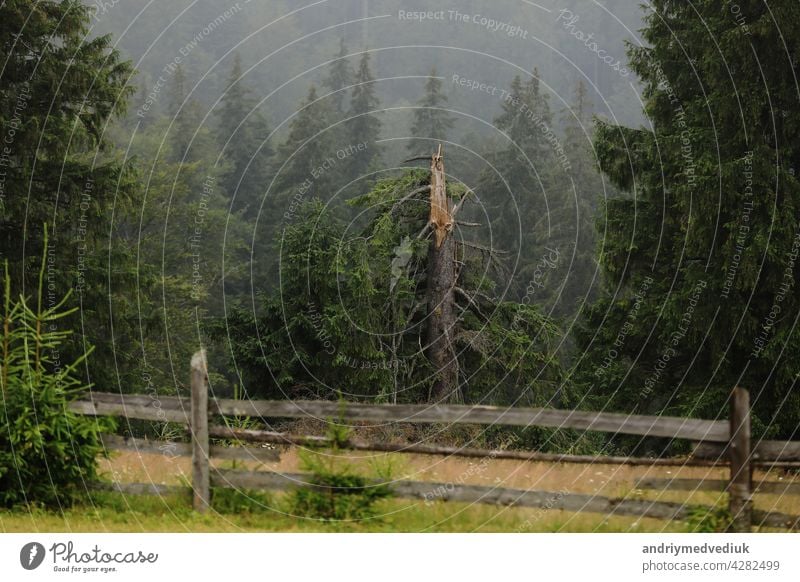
(236, 177)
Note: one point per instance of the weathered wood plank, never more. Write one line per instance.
(199, 428)
(258, 479)
(681, 484)
(146, 446)
(177, 410)
(262, 436)
(175, 449)
(767, 487)
(261, 454)
(432, 491)
(763, 451)
(662, 426)
(152, 400)
(139, 488)
(138, 411)
(740, 498)
(775, 519)
(777, 451)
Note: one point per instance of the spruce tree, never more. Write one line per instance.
(307, 155)
(58, 92)
(363, 126)
(578, 189)
(241, 134)
(184, 113)
(518, 188)
(700, 253)
(339, 78)
(430, 121)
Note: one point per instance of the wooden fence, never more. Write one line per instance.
(718, 443)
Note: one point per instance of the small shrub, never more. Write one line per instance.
(336, 492)
(47, 452)
(708, 520)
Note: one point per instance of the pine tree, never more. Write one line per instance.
(241, 134)
(700, 252)
(431, 121)
(177, 92)
(59, 91)
(339, 78)
(185, 117)
(574, 199)
(308, 154)
(363, 127)
(518, 187)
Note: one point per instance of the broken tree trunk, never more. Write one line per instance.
(441, 289)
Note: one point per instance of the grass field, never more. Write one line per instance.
(243, 512)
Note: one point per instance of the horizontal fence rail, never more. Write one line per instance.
(176, 409)
(763, 450)
(278, 438)
(768, 487)
(173, 449)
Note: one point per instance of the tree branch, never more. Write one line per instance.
(424, 231)
(396, 206)
(461, 202)
(471, 301)
(417, 159)
(482, 248)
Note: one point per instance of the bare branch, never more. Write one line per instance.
(461, 202)
(396, 206)
(471, 301)
(461, 223)
(482, 248)
(424, 231)
(417, 159)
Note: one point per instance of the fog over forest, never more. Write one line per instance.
(577, 204)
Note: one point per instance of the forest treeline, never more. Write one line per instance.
(595, 265)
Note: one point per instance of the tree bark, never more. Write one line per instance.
(441, 289)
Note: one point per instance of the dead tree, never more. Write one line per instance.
(441, 288)
(445, 299)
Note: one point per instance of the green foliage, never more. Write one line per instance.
(431, 120)
(307, 147)
(240, 501)
(702, 247)
(708, 520)
(242, 135)
(47, 452)
(350, 315)
(339, 78)
(363, 126)
(335, 492)
(61, 86)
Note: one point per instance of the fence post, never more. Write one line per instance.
(201, 497)
(740, 501)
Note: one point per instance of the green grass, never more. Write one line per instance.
(260, 512)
